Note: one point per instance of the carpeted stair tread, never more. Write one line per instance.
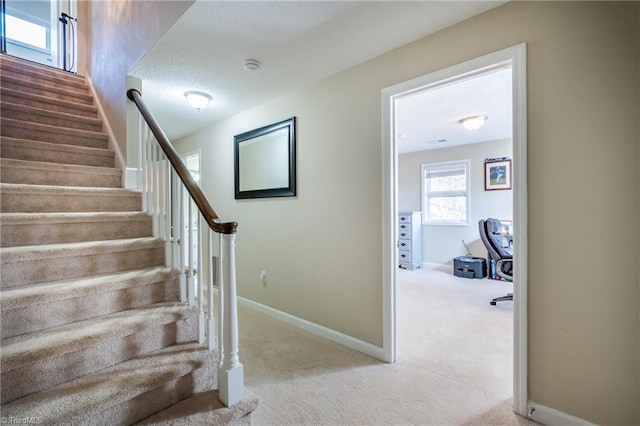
(30, 150)
(10, 65)
(32, 264)
(29, 348)
(42, 173)
(82, 400)
(53, 134)
(15, 96)
(203, 409)
(34, 294)
(22, 112)
(14, 254)
(25, 84)
(15, 197)
(26, 229)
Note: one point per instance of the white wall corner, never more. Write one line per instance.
(551, 417)
(120, 161)
(319, 330)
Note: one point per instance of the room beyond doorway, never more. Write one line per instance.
(514, 58)
(42, 31)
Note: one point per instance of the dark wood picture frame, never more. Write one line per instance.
(265, 161)
(497, 175)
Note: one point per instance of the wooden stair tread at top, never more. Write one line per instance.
(26, 349)
(15, 96)
(34, 114)
(31, 294)
(92, 394)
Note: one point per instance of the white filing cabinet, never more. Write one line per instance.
(410, 240)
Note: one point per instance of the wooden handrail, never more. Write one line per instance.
(194, 190)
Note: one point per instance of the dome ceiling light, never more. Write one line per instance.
(474, 122)
(198, 100)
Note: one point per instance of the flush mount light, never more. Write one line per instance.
(252, 65)
(198, 100)
(474, 122)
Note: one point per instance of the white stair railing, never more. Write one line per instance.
(181, 213)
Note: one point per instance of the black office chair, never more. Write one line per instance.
(499, 250)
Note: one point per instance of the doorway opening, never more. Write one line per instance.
(514, 59)
(44, 32)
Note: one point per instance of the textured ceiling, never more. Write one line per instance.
(430, 119)
(297, 42)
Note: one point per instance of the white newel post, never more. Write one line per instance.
(230, 372)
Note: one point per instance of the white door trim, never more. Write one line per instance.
(516, 58)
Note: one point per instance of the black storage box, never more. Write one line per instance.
(469, 267)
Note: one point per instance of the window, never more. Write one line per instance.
(445, 194)
(28, 33)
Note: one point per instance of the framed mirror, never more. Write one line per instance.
(265, 161)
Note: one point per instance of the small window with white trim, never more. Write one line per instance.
(445, 193)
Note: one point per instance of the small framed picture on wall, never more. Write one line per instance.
(497, 174)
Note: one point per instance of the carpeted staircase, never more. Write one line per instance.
(91, 324)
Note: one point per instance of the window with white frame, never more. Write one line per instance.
(445, 193)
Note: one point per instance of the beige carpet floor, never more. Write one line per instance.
(454, 368)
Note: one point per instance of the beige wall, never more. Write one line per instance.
(322, 249)
(440, 244)
(121, 32)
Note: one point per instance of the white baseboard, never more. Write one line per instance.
(550, 416)
(120, 161)
(319, 330)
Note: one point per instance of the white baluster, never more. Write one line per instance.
(230, 373)
(154, 188)
(201, 284)
(221, 257)
(139, 181)
(175, 222)
(211, 328)
(191, 293)
(184, 271)
(168, 245)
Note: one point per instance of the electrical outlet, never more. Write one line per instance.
(263, 277)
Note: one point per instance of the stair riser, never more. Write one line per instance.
(32, 132)
(48, 75)
(41, 232)
(52, 120)
(43, 203)
(35, 176)
(30, 379)
(55, 154)
(77, 265)
(42, 316)
(143, 406)
(49, 92)
(48, 104)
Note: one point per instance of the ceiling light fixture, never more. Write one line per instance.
(474, 122)
(252, 65)
(198, 100)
